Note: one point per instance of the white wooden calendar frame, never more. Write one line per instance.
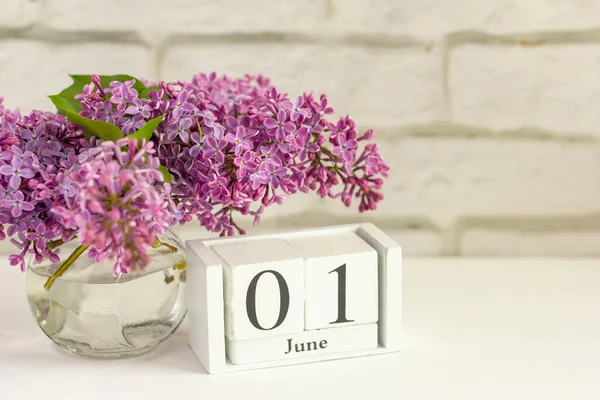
(206, 307)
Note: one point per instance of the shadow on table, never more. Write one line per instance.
(175, 353)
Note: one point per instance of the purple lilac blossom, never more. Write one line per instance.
(35, 148)
(119, 205)
(232, 146)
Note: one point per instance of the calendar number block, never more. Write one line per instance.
(264, 289)
(293, 297)
(340, 280)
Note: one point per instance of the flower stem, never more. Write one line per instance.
(158, 243)
(181, 265)
(53, 244)
(63, 268)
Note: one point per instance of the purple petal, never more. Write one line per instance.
(194, 151)
(17, 162)
(26, 173)
(284, 147)
(270, 123)
(15, 182)
(132, 110)
(240, 132)
(230, 138)
(289, 127)
(347, 156)
(177, 113)
(251, 165)
(313, 147)
(281, 171)
(208, 153)
(248, 156)
(183, 96)
(281, 116)
(250, 133)
(16, 211)
(280, 135)
(302, 154)
(41, 244)
(274, 182)
(217, 131)
(185, 123)
(6, 170)
(231, 122)
(247, 145)
(185, 136)
(54, 258)
(275, 160)
(188, 107)
(211, 142)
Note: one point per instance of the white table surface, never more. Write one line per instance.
(473, 329)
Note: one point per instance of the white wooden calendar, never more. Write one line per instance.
(293, 297)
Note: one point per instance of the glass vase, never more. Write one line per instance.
(90, 312)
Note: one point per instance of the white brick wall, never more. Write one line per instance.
(487, 110)
(352, 76)
(503, 87)
(19, 13)
(432, 19)
(32, 69)
(185, 16)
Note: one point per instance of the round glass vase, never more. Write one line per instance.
(90, 312)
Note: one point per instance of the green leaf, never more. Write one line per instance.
(101, 129)
(166, 174)
(69, 93)
(145, 132)
(61, 104)
(79, 81)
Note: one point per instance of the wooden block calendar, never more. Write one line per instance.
(293, 297)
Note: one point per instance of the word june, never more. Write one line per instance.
(300, 347)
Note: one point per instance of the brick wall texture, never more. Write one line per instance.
(488, 111)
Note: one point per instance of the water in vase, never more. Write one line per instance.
(90, 312)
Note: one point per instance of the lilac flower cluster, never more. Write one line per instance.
(229, 145)
(35, 149)
(233, 143)
(115, 201)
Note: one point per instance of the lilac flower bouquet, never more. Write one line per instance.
(124, 159)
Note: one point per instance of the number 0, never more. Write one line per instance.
(284, 300)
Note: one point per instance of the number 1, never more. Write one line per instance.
(341, 273)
